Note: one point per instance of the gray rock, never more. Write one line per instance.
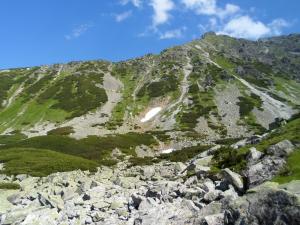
(216, 219)
(211, 209)
(265, 205)
(52, 201)
(21, 177)
(264, 170)
(208, 185)
(233, 178)
(212, 196)
(281, 149)
(189, 193)
(18, 215)
(41, 217)
(253, 155)
(148, 172)
(135, 201)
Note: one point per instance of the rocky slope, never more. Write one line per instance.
(162, 193)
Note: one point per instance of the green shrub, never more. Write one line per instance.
(93, 147)
(227, 157)
(228, 141)
(9, 186)
(246, 106)
(61, 131)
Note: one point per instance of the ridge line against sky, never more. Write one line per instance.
(53, 31)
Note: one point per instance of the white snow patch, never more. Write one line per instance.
(167, 151)
(149, 115)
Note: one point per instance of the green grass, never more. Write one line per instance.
(61, 131)
(78, 95)
(126, 75)
(92, 148)
(41, 162)
(291, 170)
(10, 139)
(9, 186)
(32, 113)
(202, 105)
(246, 105)
(44, 98)
(291, 131)
(228, 141)
(177, 156)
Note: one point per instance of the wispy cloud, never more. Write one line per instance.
(171, 34)
(162, 10)
(78, 31)
(277, 25)
(136, 3)
(209, 7)
(123, 16)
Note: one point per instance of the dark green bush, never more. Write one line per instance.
(61, 131)
(9, 186)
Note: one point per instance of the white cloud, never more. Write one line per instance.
(245, 27)
(210, 8)
(136, 3)
(78, 31)
(230, 9)
(277, 25)
(170, 34)
(123, 16)
(162, 10)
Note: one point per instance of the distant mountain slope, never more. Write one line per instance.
(215, 87)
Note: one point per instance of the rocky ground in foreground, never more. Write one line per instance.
(162, 194)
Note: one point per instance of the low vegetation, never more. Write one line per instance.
(236, 158)
(9, 186)
(79, 94)
(61, 131)
(227, 157)
(291, 170)
(93, 148)
(41, 162)
(12, 138)
(177, 156)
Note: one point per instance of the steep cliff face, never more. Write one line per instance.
(215, 87)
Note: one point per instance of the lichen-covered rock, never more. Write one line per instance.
(281, 149)
(233, 178)
(267, 204)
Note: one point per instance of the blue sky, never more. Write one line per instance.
(35, 32)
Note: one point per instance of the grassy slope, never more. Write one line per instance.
(97, 149)
(292, 169)
(44, 98)
(41, 162)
